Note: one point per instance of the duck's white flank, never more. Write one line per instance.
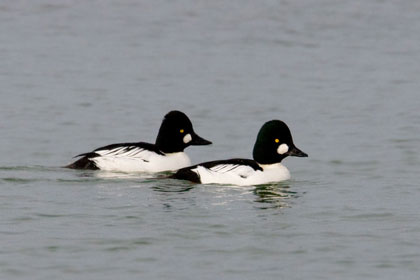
(242, 175)
(140, 160)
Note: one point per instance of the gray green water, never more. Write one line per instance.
(76, 75)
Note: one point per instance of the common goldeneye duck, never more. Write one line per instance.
(167, 154)
(274, 143)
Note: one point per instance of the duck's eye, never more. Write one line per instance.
(181, 131)
(276, 140)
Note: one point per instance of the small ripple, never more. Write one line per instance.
(146, 259)
(404, 140)
(42, 215)
(17, 180)
(336, 162)
(23, 219)
(12, 233)
(172, 189)
(53, 248)
(27, 168)
(385, 265)
(369, 216)
(121, 207)
(299, 252)
(118, 248)
(345, 262)
(85, 104)
(79, 180)
(117, 245)
(14, 168)
(353, 163)
(130, 217)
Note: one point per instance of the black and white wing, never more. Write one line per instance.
(124, 154)
(138, 151)
(222, 171)
(232, 169)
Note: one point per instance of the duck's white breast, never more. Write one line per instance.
(271, 173)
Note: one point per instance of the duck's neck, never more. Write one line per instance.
(271, 165)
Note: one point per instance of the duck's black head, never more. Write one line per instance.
(176, 133)
(274, 143)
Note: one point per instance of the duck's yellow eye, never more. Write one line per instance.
(182, 131)
(277, 140)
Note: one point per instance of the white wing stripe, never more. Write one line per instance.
(225, 173)
(223, 168)
(129, 151)
(132, 152)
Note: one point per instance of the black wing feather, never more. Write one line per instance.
(187, 174)
(83, 163)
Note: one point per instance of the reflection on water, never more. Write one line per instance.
(117, 175)
(274, 196)
(165, 185)
(102, 174)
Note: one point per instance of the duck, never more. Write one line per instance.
(167, 154)
(273, 144)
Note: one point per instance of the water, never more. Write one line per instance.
(76, 75)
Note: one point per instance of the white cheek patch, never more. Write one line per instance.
(187, 138)
(283, 148)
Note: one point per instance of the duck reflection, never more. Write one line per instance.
(274, 196)
(168, 187)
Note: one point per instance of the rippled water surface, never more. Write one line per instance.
(77, 75)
